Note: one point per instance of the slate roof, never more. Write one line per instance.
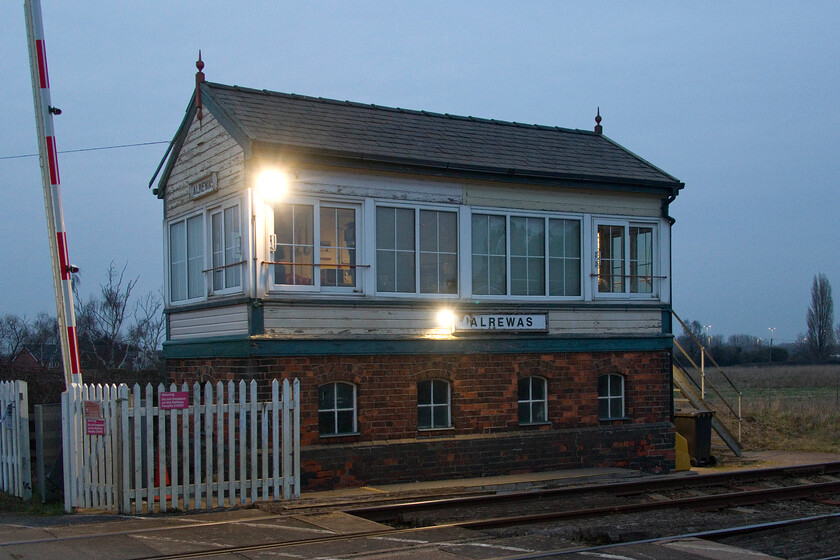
(467, 144)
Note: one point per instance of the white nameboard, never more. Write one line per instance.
(205, 186)
(499, 322)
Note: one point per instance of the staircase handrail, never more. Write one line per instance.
(707, 382)
(703, 350)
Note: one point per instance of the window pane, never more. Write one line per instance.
(405, 229)
(385, 231)
(517, 236)
(479, 275)
(424, 417)
(441, 416)
(611, 259)
(424, 392)
(344, 395)
(178, 261)
(641, 260)
(233, 246)
(429, 273)
(326, 396)
(440, 392)
(536, 276)
(616, 408)
(572, 277)
(537, 388)
(518, 276)
(448, 274)
(218, 250)
(345, 422)
(497, 276)
(405, 271)
(524, 413)
(326, 423)
(195, 257)
(428, 231)
(615, 385)
(479, 235)
(603, 386)
(386, 275)
(603, 408)
(538, 412)
(536, 237)
(524, 389)
(496, 236)
(448, 232)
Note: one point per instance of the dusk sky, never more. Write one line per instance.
(739, 101)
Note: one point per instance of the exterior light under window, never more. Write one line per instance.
(446, 318)
(272, 184)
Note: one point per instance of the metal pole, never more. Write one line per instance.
(702, 373)
(61, 268)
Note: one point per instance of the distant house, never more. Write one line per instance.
(458, 296)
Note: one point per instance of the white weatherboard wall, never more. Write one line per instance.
(225, 448)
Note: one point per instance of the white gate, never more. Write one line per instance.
(198, 448)
(15, 466)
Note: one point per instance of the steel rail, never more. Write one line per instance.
(713, 501)
(388, 512)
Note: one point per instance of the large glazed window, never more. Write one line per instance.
(186, 259)
(416, 251)
(315, 245)
(226, 239)
(433, 404)
(625, 258)
(526, 256)
(336, 409)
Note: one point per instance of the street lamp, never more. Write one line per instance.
(708, 336)
(772, 330)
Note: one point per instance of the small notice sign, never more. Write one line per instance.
(93, 409)
(95, 427)
(174, 400)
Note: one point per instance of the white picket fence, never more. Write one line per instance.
(199, 448)
(15, 466)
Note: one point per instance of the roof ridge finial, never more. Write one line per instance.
(199, 79)
(598, 128)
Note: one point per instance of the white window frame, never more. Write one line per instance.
(202, 295)
(335, 410)
(417, 250)
(609, 397)
(316, 286)
(237, 259)
(531, 401)
(546, 217)
(435, 404)
(626, 292)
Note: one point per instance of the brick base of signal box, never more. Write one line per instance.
(485, 438)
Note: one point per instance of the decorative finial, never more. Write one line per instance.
(199, 79)
(598, 128)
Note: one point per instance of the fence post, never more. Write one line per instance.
(287, 443)
(23, 423)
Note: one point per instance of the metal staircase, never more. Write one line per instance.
(696, 391)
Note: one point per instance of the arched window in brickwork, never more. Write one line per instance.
(611, 396)
(433, 409)
(533, 403)
(336, 409)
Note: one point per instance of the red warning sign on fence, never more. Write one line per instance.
(94, 427)
(174, 399)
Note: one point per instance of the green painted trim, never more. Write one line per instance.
(667, 322)
(245, 347)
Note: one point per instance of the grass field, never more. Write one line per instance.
(793, 408)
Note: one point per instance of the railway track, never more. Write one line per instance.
(490, 522)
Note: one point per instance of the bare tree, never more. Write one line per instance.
(14, 333)
(44, 340)
(820, 319)
(101, 320)
(147, 333)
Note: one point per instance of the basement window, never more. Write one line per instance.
(611, 396)
(337, 409)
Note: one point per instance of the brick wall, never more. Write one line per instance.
(485, 437)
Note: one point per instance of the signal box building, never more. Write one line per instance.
(458, 296)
